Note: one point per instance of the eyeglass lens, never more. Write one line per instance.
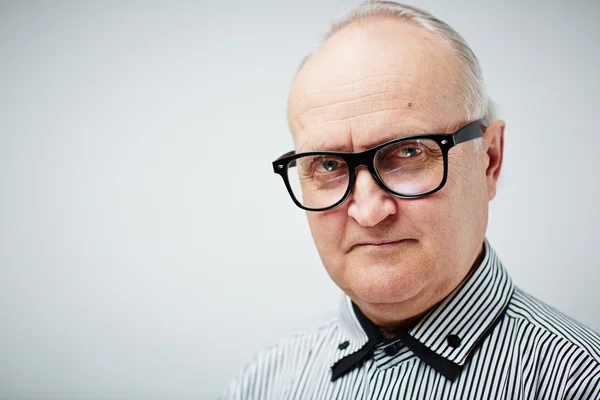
(409, 168)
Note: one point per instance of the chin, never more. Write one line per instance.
(384, 283)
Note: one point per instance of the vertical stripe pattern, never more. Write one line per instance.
(504, 344)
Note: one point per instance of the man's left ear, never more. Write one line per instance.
(493, 148)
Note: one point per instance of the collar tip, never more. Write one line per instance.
(335, 374)
(452, 375)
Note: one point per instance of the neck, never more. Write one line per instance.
(392, 331)
(390, 327)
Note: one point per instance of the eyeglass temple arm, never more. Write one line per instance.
(276, 164)
(472, 131)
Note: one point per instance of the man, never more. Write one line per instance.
(397, 155)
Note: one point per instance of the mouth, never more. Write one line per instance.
(379, 244)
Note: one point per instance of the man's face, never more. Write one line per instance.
(371, 82)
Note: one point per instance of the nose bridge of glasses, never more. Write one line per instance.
(362, 159)
(365, 158)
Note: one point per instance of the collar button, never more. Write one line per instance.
(343, 345)
(453, 341)
(392, 349)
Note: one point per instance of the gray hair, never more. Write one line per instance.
(475, 98)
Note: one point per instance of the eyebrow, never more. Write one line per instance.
(324, 146)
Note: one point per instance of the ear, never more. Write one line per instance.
(493, 148)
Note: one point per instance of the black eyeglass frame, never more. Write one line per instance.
(446, 141)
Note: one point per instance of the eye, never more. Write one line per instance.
(325, 165)
(408, 152)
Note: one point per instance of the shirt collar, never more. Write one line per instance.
(447, 335)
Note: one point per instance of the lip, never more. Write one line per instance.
(378, 244)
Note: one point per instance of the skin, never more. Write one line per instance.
(373, 81)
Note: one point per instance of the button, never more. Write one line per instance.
(392, 349)
(453, 340)
(343, 345)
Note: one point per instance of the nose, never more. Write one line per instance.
(368, 203)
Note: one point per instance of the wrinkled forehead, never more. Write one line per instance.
(372, 82)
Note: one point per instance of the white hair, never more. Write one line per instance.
(474, 94)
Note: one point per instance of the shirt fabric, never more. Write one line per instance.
(486, 340)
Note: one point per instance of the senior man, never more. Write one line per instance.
(397, 155)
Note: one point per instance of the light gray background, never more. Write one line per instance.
(146, 248)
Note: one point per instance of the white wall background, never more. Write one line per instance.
(146, 248)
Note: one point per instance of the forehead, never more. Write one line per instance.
(373, 81)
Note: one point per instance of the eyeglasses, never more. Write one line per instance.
(408, 168)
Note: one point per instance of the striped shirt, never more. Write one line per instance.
(486, 340)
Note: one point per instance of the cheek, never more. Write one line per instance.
(465, 196)
(445, 217)
(431, 217)
(327, 229)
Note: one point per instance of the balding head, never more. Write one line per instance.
(383, 66)
(473, 94)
